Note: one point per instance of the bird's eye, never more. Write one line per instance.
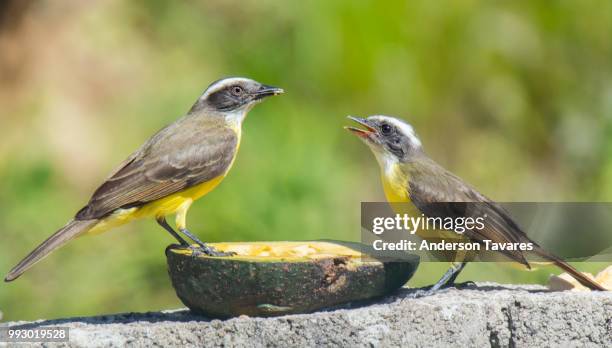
(237, 91)
(385, 129)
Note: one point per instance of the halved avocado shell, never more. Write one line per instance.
(276, 278)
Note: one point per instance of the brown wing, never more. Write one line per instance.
(184, 154)
(439, 193)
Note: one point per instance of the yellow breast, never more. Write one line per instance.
(395, 184)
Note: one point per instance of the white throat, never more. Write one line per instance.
(386, 161)
(236, 117)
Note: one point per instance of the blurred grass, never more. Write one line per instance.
(515, 97)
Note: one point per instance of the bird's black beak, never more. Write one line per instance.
(360, 132)
(267, 91)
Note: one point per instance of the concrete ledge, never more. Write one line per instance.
(483, 315)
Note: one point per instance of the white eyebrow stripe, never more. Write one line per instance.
(403, 126)
(221, 84)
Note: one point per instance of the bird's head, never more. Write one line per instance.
(234, 95)
(388, 137)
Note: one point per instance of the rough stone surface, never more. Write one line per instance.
(482, 315)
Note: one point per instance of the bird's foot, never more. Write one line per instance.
(210, 251)
(195, 250)
(461, 286)
(458, 286)
(203, 247)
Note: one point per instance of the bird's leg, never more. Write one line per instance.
(448, 279)
(451, 280)
(181, 224)
(163, 223)
(210, 251)
(192, 237)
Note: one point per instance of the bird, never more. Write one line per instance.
(410, 176)
(176, 166)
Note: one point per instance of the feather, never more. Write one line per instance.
(73, 229)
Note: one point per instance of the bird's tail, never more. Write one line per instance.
(584, 280)
(72, 229)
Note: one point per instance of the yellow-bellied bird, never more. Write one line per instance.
(181, 163)
(410, 176)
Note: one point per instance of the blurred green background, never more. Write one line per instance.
(515, 97)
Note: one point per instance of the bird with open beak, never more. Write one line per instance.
(410, 176)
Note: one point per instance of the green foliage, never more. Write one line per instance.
(515, 97)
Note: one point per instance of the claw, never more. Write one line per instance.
(195, 251)
(210, 251)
